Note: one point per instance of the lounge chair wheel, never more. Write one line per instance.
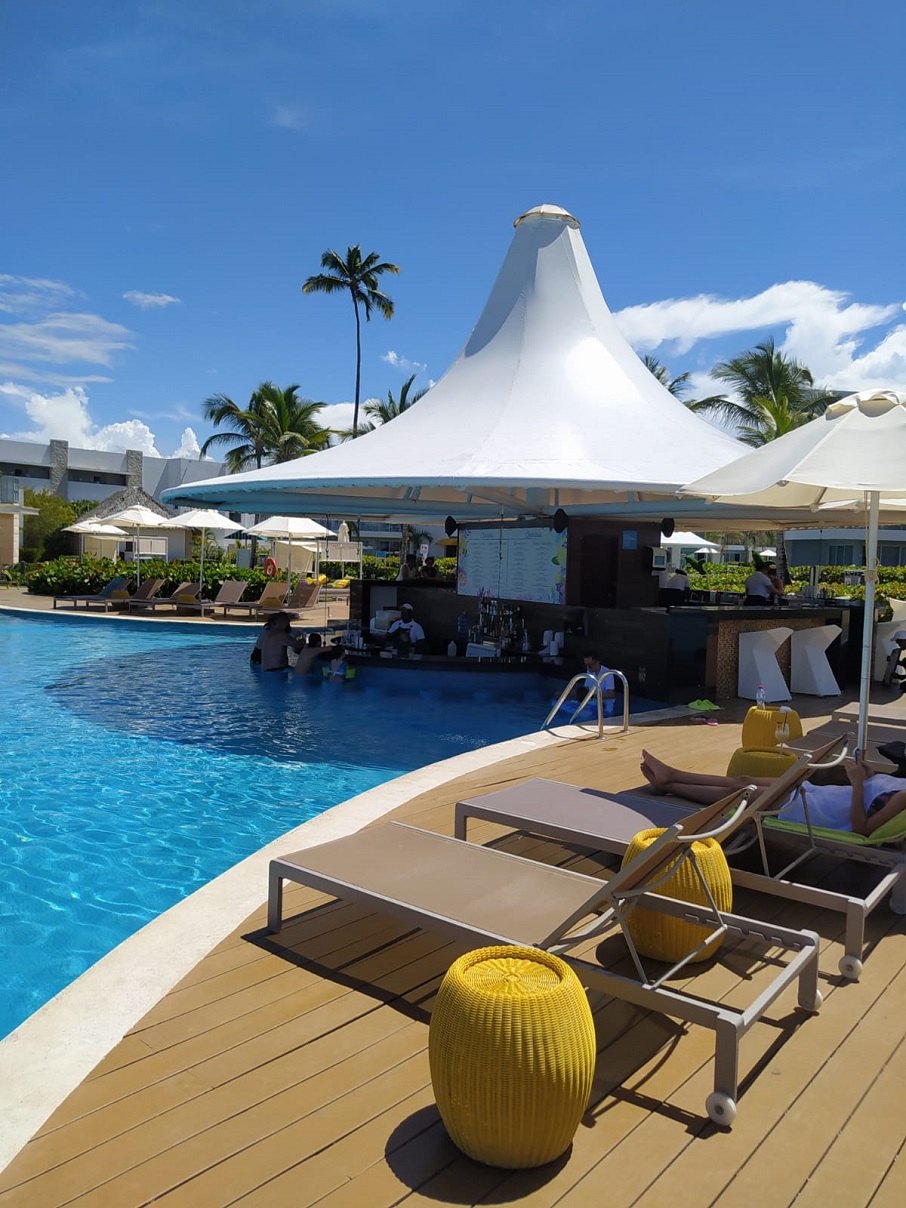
(721, 1108)
(850, 967)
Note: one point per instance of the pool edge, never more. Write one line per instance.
(52, 1051)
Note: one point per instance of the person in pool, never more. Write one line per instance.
(867, 802)
(275, 639)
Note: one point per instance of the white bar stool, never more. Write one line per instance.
(758, 664)
(810, 672)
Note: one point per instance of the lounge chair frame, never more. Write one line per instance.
(304, 598)
(274, 593)
(103, 597)
(172, 601)
(481, 895)
(230, 591)
(561, 811)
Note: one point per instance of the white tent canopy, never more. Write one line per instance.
(690, 540)
(546, 407)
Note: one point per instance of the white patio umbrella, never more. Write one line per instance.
(204, 519)
(855, 451)
(298, 529)
(136, 518)
(94, 528)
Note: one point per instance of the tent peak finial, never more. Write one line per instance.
(549, 211)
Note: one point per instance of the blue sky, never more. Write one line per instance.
(174, 169)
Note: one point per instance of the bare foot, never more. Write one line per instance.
(650, 777)
(656, 772)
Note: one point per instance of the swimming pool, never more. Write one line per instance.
(141, 760)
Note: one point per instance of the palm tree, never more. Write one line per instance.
(360, 277)
(289, 426)
(677, 386)
(247, 431)
(775, 394)
(276, 426)
(385, 412)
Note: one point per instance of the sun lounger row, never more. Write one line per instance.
(482, 895)
(185, 597)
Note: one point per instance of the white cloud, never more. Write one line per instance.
(338, 415)
(18, 294)
(64, 337)
(820, 327)
(403, 363)
(150, 301)
(289, 117)
(66, 416)
(188, 445)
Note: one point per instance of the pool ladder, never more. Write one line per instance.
(594, 690)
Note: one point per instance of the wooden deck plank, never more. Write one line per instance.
(294, 1069)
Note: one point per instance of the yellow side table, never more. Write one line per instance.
(760, 762)
(512, 1054)
(760, 726)
(663, 937)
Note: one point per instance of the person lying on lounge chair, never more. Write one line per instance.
(870, 799)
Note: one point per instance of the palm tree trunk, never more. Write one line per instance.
(783, 569)
(358, 367)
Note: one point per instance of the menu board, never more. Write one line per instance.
(512, 564)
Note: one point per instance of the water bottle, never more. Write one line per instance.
(451, 650)
(761, 697)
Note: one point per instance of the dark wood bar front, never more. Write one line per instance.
(673, 655)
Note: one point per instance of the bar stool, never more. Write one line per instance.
(810, 672)
(758, 664)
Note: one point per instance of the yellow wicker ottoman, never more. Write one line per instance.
(512, 1054)
(662, 937)
(758, 762)
(760, 726)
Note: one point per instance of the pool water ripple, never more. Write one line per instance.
(140, 761)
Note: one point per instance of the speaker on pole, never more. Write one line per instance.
(450, 526)
(560, 521)
(667, 526)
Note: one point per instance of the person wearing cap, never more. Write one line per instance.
(406, 631)
(275, 639)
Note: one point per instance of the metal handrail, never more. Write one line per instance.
(594, 690)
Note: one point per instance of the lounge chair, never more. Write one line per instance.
(602, 822)
(481, 896)
(104, 597)
(273, 596)
(304, 597)
(230, 592)
(177, 597)
(144, 592)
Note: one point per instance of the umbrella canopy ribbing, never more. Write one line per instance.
(855, 452)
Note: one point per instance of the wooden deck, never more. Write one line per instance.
(293, 1070)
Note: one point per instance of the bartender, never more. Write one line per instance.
(406, 633)
(763, 587)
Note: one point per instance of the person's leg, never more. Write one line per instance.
(701, 787)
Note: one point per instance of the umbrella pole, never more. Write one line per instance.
(871, 578)
(201, 565)
(138, 563)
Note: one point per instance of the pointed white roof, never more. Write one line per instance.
(546, 406)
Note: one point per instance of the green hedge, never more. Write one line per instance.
(66, 576)
(731, 576)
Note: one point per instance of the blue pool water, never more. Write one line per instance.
(139, 761)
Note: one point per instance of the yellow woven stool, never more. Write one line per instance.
(756, 761)
(512, 1054)
(662, 937)
(760, 726)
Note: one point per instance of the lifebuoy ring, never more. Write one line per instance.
(270, 569)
